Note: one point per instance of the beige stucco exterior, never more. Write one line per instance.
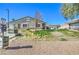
(29, 22)
(64, 26)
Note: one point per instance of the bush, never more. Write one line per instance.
(28, 29)
(42, 33)
(19, 34)
(63, 39)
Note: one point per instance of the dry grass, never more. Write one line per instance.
(54, 45)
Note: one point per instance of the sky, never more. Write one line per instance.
(50, 12)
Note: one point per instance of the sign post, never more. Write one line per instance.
(4, 39)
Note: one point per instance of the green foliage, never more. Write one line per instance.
(19, 34)
(42, 33)
(70, 10)
(28, 29)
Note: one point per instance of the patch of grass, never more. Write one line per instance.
(23, 30)
(51, 30)
(69, 32)
(42, 33)
(75, 33)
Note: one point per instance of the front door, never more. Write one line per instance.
(19, 26)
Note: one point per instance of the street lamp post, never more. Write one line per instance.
(4, 40)
(8, 17)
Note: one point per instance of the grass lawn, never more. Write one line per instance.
(42, 33)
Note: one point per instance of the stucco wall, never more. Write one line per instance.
(74, 26)
(30, 24)
(64, 26)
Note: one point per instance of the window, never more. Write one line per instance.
(38, 25)
(24, 25)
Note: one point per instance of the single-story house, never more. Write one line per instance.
(74, 25)
(53, 26)
(64, 26)
(27, 23)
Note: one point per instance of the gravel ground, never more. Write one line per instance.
(25, 47)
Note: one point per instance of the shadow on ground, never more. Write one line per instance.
(18, 47)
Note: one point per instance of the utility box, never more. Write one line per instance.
(4, 42)
(1, 43)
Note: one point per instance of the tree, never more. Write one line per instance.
(38, 17)
(70, 10)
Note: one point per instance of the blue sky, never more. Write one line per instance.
(50, 12)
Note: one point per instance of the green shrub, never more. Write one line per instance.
(63, 39)
(28, 29)
(19, 34)
(42, 33)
